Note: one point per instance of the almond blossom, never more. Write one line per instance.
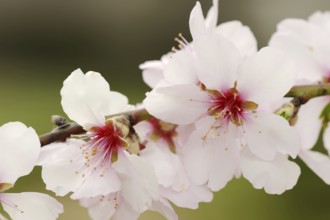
(98, 163)
(307, 41)
(225, 93)
(20, 148)
(237, 33)
(164, 143)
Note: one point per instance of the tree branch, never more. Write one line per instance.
(300, 95)
(65, 129)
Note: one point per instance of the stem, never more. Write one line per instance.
(64, 131)
(301, 95)
(307, 92)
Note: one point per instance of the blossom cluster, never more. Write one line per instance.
(211, 116)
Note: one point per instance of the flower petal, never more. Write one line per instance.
(139, 182)
(181, 68)
(218, 62)
(30, 205)
(152, 72)
(309, 123)
(178, 104)
(203, 158)
(87, 99)
(268, 134)
(266, 76)
(240, 35)
(59, 166)
(164, 207)
(20, 148)
(319, 163)
(274, 176)
(211, 19)
(196, 22)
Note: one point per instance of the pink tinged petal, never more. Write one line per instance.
(294, 36)
(152, 72)
(86, 98)
(30, 205)
(319, 163)
(240, 35)
(268, 134)
(275, 176)
(60, 162)
(178, 104)
(164, 207)
(217, 62)
(309, 123)
(108, 207)
(143, 130)
(162, 162)
(99, 208)
(188, 198)
(211, 19)
(181, 68)
(196, 22)
(20, 148)
(209, 161)
(266, 76)
(100, 181)
(320, 19)
(139, 182)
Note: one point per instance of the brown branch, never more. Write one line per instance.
(300, 95)
(65, 129)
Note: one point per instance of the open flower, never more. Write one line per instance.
(20, 148)
(164, 144)
(225, 93)
(97, 163)
(234, 31)
(307, 41)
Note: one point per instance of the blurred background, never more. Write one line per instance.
(43, 41)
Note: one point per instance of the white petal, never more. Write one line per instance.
(321, 19)
(87, 99)
(240, 35)
(274, 176)
(152, 72)
(64, 171)
(164, 207)
(143, 130)
(189, 198)
(20, 148)
(309, 123)
(218, 61)
(212, 15)
(108, 207)
(101, 181)
(30, 206)
(266, 76)
(203, 160)
(267, 134)
(326, 138)
(163, 162)
(139, 182)
(178, 104)
(297, 38)
(58, 172)
(196, 22)
(180, 68)
(317, 162)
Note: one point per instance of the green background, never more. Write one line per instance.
(42, 42)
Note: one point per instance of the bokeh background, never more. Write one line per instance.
(43, 41)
